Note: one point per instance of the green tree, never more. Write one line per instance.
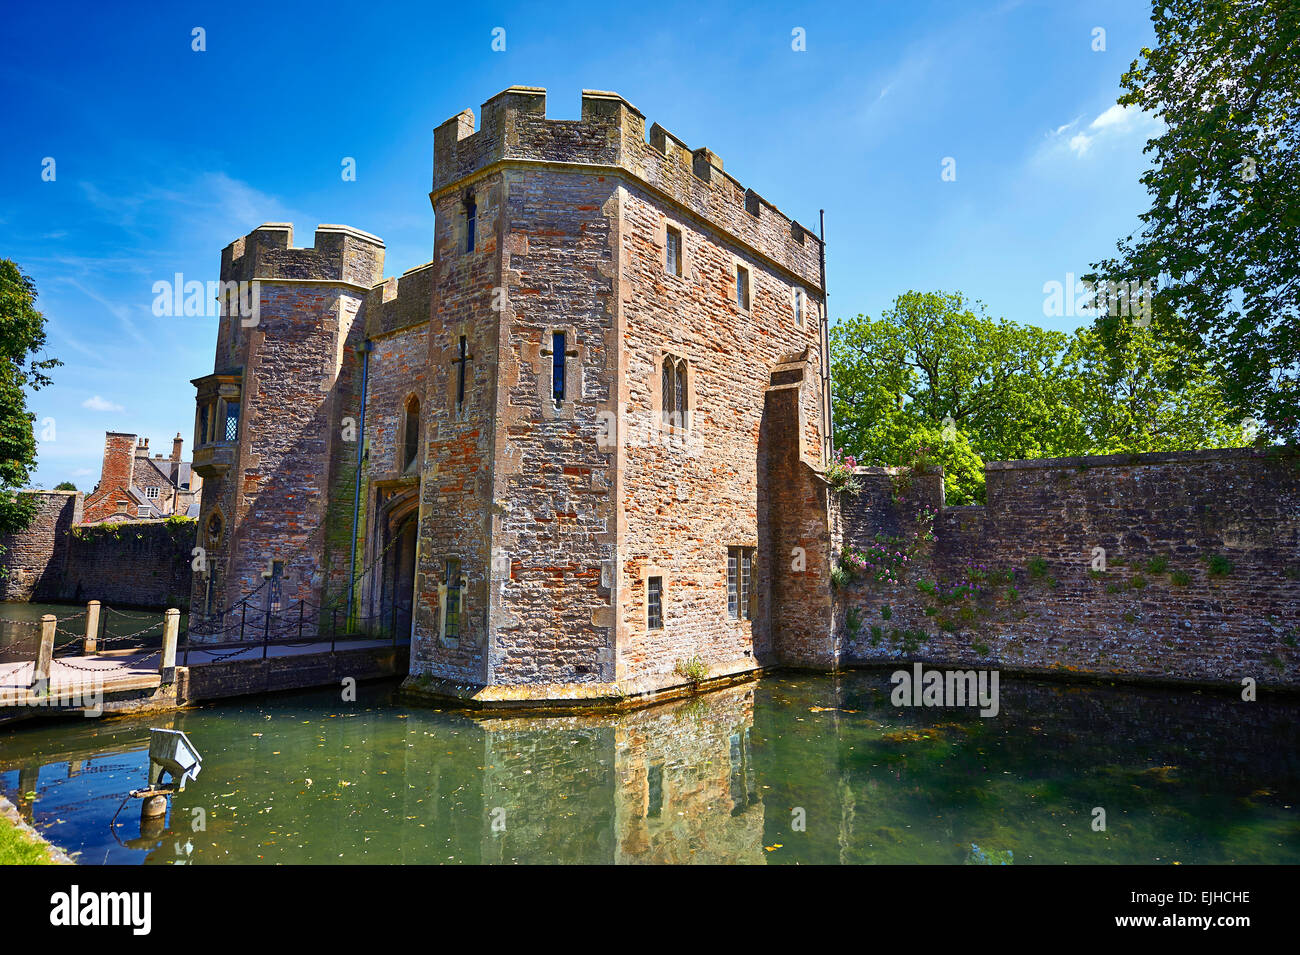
(1121, 398)
(963, 470)
(22, 338)
(1221, 241)
(932, 374)
(65, 486)
(933, 359)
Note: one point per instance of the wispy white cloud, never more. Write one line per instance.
(1113, 125)
(96, 403)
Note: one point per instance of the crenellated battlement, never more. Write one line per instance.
(398, 303)
(612, 133)
(340, 254)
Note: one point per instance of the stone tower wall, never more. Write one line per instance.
(580, 522)
(274, 497)
(456, 489)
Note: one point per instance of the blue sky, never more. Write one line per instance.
(163, 155)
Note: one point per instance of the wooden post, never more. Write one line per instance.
(91, 643)
(44, 656)
(171, 627)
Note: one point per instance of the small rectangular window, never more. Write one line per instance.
(655, 603)
(733, 582)
(451, 622)
(151, 493)
(471, 224)
(232, 420)
(798, 307)
(742, 287)
(673, 259)
(747, 582)
(557, 367)
(203, 423)
(740, 582)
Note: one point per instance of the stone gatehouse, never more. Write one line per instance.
(576, 456)
(579, 457)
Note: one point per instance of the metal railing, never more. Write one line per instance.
(50, 653)
(243, 629)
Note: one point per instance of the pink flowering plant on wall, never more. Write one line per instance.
(884, 560)
(839, 472)
(887, 557)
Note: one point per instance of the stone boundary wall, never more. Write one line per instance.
(132, 563)
(32, 561)
(1201, 581)
(135, 563)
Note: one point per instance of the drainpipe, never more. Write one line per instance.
(356, 490)
(828, 420)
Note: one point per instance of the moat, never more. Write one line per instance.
(791, 769)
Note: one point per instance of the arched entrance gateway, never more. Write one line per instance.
(393, 548)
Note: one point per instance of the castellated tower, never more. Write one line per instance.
(267, 437)
(590, 432)
(648, 343)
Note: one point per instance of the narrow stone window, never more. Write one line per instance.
(232, 420)
(679, 394)
(798, 307)
(451, 621)
(742, 287)
(654, 603)
(461, 361)
(471, 223)
(203, 423)
(740, 582)
(667, 385)
(675, 396)
(274, 588)
(673, 255)
(557, 367)
(411, 435)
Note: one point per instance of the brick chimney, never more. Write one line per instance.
(119, 451)
(176, 446)
(142, 449)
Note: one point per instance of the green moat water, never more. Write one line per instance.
(1183, 777)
